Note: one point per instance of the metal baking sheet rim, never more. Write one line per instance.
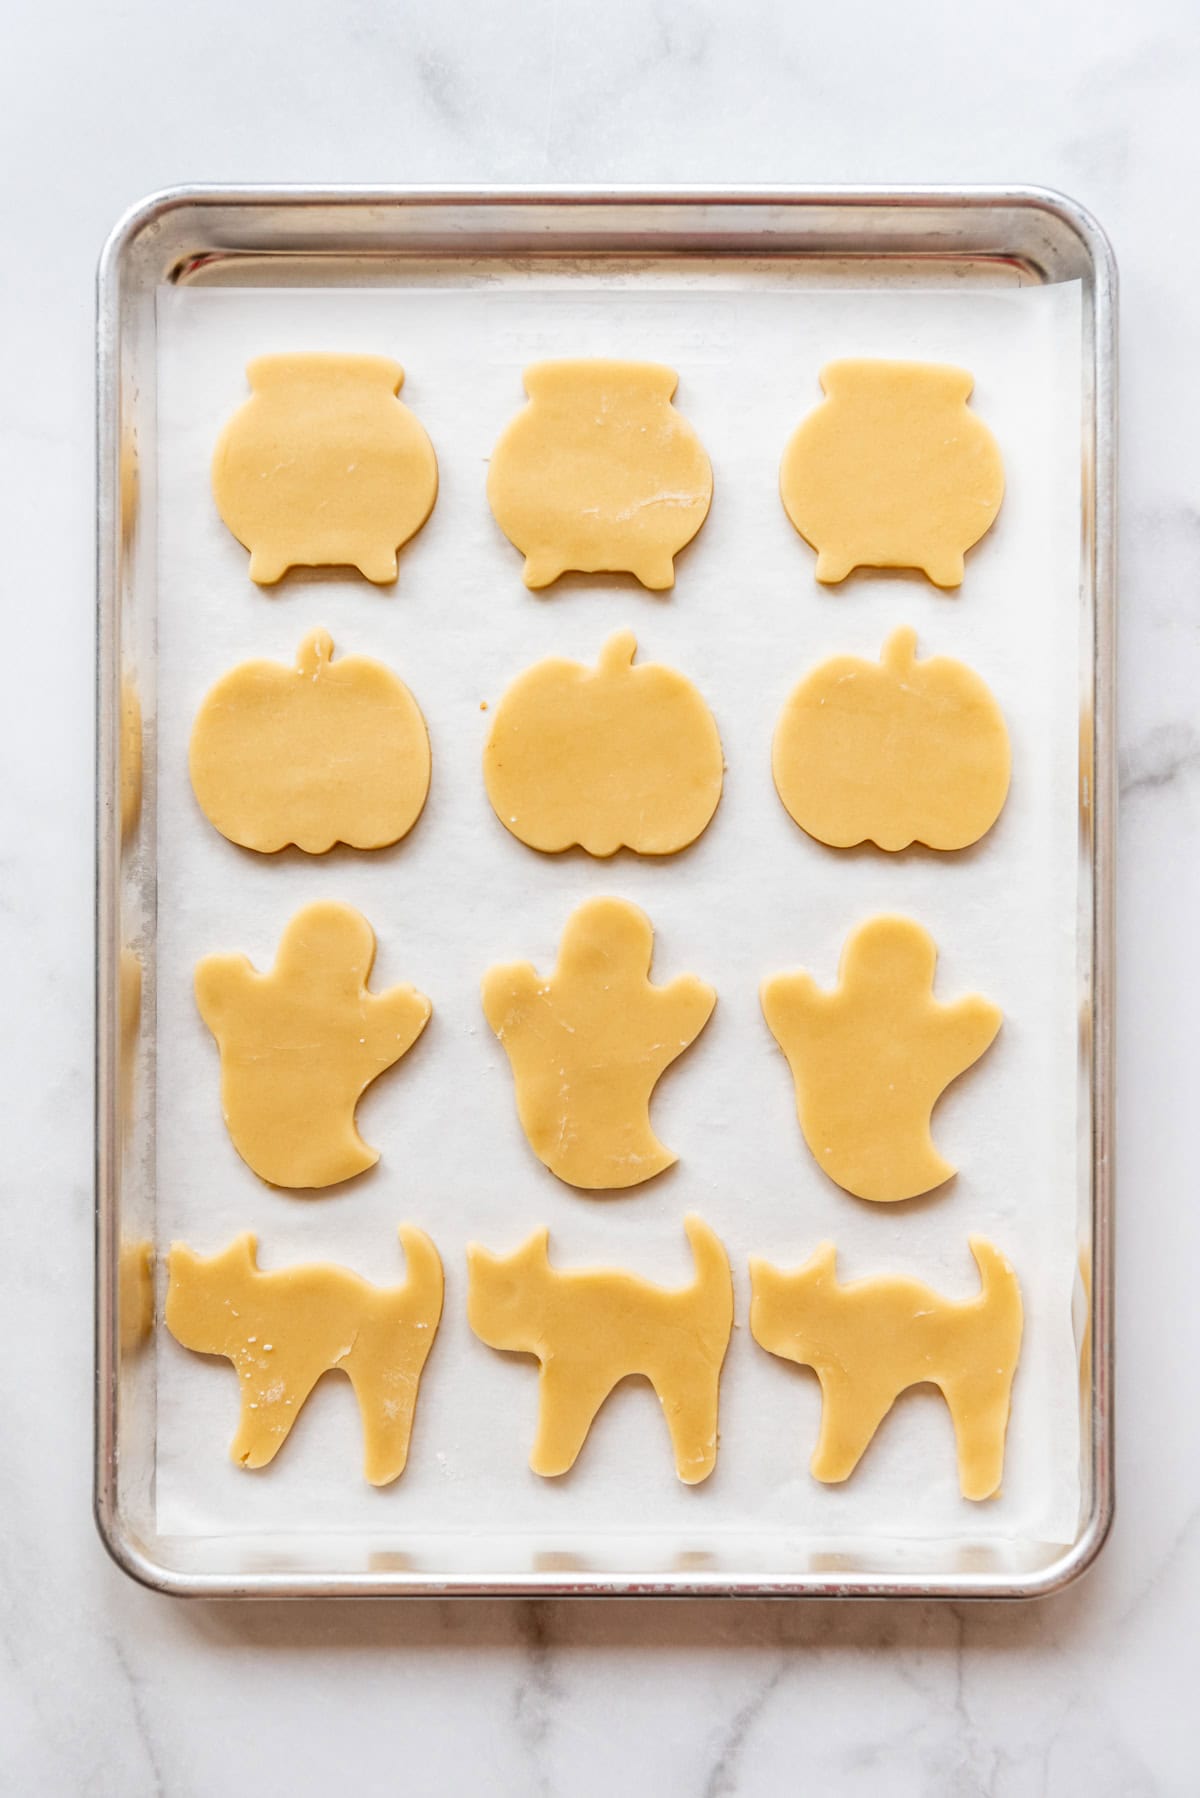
(842, 222)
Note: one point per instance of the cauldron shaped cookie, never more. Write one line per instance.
(892, 471)
(599, 473)
(323, 466)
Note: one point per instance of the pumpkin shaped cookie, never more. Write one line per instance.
(892, 752)
(323, 466)
(606, 757)
(892, 471)
(599, 473)
(326, 752)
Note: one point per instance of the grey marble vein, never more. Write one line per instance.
(1159, 759)
(537, 1691)
(723, 1777)
(142, 1714)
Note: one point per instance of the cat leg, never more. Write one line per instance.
(691, 1416)
(271, 1404)
(980, 1413)
(386, 1401)
(851, 1412)
(568, 1400)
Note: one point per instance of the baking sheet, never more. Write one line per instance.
(755, 895)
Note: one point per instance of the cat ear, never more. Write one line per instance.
(241, 1256)
(822, 1263)
(237, 1262)
(182, 1261)
(764, 1276)
(536, 1251)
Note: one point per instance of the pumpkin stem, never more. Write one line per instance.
(900, 650)
(618, 652)
(316, 652)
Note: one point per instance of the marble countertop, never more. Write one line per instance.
(105, 1688)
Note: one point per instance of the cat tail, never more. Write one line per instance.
(712, 1291)
(998, 1281)
(425, 1281)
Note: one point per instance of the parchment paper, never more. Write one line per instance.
(754, 896)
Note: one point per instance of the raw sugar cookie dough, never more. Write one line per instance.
(871, 1059)
(892, 752)
(606, 757)
(300, 1045)
(592, 1328)
(323, 467)
(599, 473)
(320, 753)
(130, 783)
(282, 1330)
(588, 1043)
(869, 1340)
(892, 471)
(135, 1294)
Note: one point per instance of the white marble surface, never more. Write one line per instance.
(107, 1689)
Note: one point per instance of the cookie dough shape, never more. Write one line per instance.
(892, 752)
(590, 1330)
(599, 473)
(892, 471)
(871, 1339)
(130, 753)
(323, 466)
(606, 757)
(588, 1044)
(135, 1294)
(300, 1045)
(282, 1330)
(326, 752)
(871, 1059)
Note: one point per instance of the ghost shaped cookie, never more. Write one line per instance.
(300, 1045)
(893, 752)
(588, 1043)
(600, 473)
(320, 753)
(892, 471)
(871, 1058)
(605, 757)
(323, 466)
